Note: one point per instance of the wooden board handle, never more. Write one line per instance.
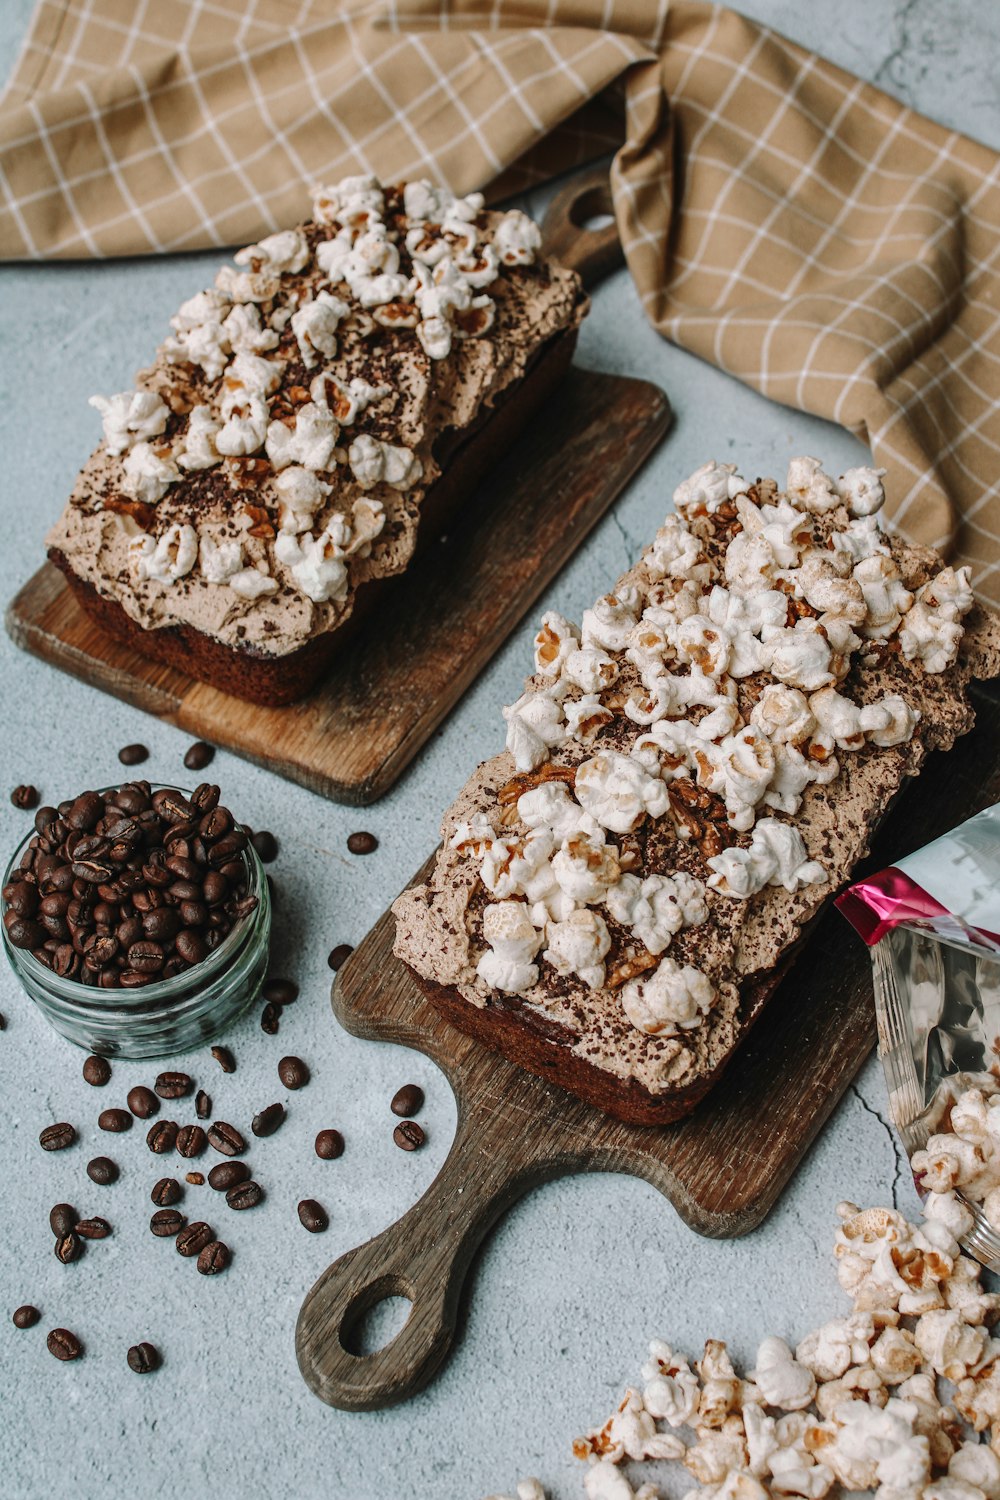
(593, 253)
(423, 1257)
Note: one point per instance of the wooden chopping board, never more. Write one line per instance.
(444, 619)
(722, 1168)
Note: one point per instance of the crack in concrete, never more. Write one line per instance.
(631, 550)
(901, 1164)
(888, 72)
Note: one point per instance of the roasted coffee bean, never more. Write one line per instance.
(270, 1019)
(409, 1136)
(225, 1059)
(191, 1140)
(409, 1100)
(196, 1179)
(102, 1170)
(162, 1137)
(293, 1072)
(26, 1316)
(204, 797)
(339, 955)
(268, 1120)
(57, 1137)
(362, 843)
(190, 946)
(146, 957)
(226, 1139)
(266, 846)
(329, 1145)
(245, 1194)
(215, 824)
(198, 756)
(65, 961)
(99, 950)
(142, 1102)
(114, 1120)
(21, 933)
(172, 805)
(94, 1229)
(193, 1239)
(25, 797)
(62, 1217)
(96, 1071)
(63, 1344)
(173, 1085)
(143, 1358)
(280, 991)
(21, 898)
(215, 888)
(312, 1216)
(166, 1222)
(213, 1258)
(68, 1248)
(159, 926)
(227, 1174)
(44, 817)
(167, 1192)
(202, 1105)
(133, 755)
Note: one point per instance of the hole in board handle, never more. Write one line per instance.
(375, 1318)
(596, 222)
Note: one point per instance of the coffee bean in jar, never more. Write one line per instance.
(131, 888)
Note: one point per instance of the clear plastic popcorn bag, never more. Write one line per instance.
(932, 923)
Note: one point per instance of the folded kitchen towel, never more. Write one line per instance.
(781, 218)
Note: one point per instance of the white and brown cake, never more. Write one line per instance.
(339, 388)
(688, 777)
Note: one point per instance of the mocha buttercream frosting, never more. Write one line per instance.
(691, 772)
(276, 454)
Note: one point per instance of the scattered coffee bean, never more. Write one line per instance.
(245, 1194)
(133, 755)
(409, 1100)
(280, 991)
(62, 1217)
(270, 1019)
(227, 1174)
(225, 1059)
(68, 1248)
(196, 1179)
(213, 1258)
(293, 1072)
(26, 1316)
(63, 1344)
(203, 1105)
(193, 1239)
(57, 1137)
(162, 1136)
(226, 1139)
(96, 1071)
(409, 1136)
(166, 1222)
(312, 1216)
(198, 756)
(329, 1145)
(268, 1120)
(102, 1170)
(266, 846)
(338, 956)
(142, 1102)
(191, 1140)
(94, 1229)
(167, 1191)
(362, 843)
(114, 1120)
(143, 1358)
(25, 797)
(172, 1085)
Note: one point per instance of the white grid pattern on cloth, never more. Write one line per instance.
(809, 246)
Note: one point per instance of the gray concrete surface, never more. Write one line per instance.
(575, 1280)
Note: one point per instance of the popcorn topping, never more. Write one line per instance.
(147, 476)
(164, 560)
(130, 417)
(671, 999)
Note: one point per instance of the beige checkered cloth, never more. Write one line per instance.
(781, 218)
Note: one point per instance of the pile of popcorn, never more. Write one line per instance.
(807, 586)
(901, 1396)
(964, 1151)
(230, 332)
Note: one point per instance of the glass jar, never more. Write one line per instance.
(170, 1016)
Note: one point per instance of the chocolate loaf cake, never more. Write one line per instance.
(335, 394)
(687, 779)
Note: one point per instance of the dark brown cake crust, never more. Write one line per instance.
(275, 681)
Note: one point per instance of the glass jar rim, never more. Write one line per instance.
(162, 989)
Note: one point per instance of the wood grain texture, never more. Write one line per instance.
(436, 627)
(722, 1168)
